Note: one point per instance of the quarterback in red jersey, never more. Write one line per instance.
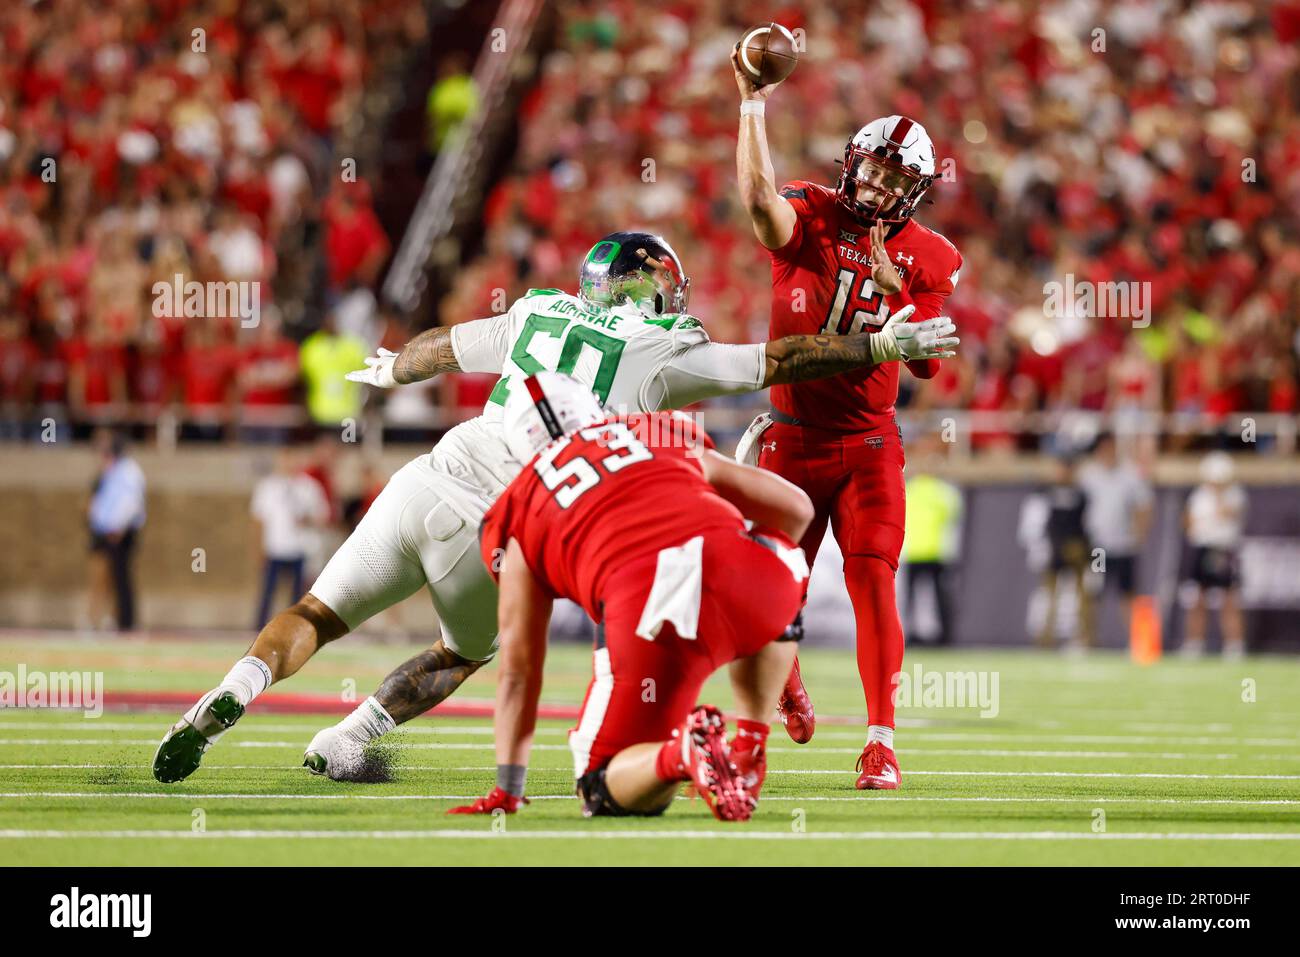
(642, 523)
(844, 260)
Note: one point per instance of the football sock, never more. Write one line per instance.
(885, 736)
(367, 722)
(669, 765)
(248, 679)
(750, 735)
(870, 584)
(511, 778)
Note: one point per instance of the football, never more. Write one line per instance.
(767, 53)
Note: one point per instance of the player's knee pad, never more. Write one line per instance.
(596, 800)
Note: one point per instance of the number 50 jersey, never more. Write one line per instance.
(603, 496)
(631, 361)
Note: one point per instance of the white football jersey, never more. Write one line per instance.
(632, 362)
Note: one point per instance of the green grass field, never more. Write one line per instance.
(1091, 761)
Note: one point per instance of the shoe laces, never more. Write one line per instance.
(872, 759)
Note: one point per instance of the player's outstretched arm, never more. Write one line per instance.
(524, 612)
(772, 215)
(424, 356)
(799, 358)
(763, 497)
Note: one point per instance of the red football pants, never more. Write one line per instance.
(855, 481)
(641, 689)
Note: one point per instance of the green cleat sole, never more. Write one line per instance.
(182, 749)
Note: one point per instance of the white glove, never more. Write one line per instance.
(899, 340)
(378, 371)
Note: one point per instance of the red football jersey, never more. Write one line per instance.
(608, 494)
(821, 283)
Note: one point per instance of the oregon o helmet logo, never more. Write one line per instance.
(597, 257)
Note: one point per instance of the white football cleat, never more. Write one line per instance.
(336, 753)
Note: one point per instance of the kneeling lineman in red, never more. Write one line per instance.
(642, 523)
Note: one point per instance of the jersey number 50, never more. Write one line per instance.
(625, 448)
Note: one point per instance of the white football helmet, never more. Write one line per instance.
(888, 166)
(545, 407)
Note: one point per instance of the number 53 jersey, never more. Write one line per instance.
(821, 283)
(603, 497)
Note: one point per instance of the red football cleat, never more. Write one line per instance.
(707, 759)
(751, 765)
(497, 800)
(797, 708)
(879, 769)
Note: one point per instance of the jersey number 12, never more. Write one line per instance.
(839, 321)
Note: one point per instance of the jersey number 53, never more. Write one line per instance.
(575, 477)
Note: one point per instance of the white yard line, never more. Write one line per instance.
(909, 752)
(175, 795)
(1058, 774)
(730, 835)
(298, 745)
(771, 771)
(823, 734)
(156, 795)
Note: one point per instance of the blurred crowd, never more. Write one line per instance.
(147, 141)
(1154, 142)
(1147, 141)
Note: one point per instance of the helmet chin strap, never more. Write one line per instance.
(892, 222)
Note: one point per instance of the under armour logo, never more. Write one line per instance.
(904, 259)
(769, 446)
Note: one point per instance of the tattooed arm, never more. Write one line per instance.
(702, 369)
(478, 346)
(425, 356)
(415, 686)
(797, 358)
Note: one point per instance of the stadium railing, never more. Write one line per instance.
(969, 433)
